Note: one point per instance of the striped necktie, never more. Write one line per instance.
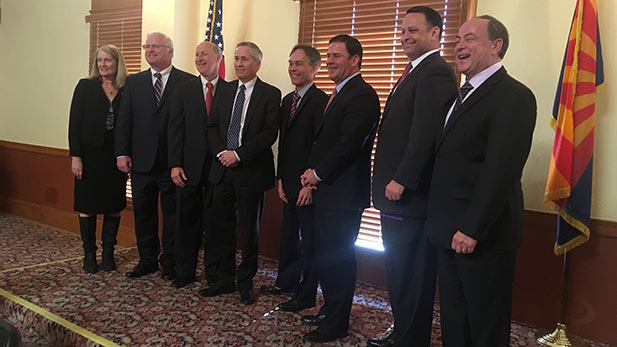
(233, 135)
(158, 88)
(465, 89)
(294, 106)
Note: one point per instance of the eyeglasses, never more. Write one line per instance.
(154, 45)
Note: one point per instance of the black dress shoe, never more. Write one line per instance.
(247, 297)
(313, 320)
(168, 273)
(320, 335)
(181, 282)
(142, 270)
(385, 341)
(294, 305)
(273, 290)
(216, 290)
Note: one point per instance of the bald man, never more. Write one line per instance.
(190, 159)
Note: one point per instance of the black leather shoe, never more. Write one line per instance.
(247, 297)
(320, 335)
(181, 282)
(294, 305)
(313, 320)
(168, 273)
(142, 270)
(385, 341)
(273, 290)
(216, 290)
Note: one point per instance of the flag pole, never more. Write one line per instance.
(559, 337)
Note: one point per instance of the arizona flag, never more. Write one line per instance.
(568, 188)
(214, 29)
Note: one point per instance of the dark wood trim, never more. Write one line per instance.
(59, 152)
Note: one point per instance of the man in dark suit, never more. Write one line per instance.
(242, 127)
(300, 110)
(340, 173)
(190, 159)
(412, 116)
(475, 209)
(141, 148)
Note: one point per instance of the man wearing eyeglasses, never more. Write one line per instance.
(141, 149)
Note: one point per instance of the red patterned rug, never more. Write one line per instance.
(53, 302)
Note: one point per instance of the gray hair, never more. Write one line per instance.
(314, 58)
(168, 42)
(255, 51)
(496, 30)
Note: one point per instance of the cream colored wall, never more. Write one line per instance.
(538, 33)
(44, 52)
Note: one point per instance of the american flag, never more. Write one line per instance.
(214, 29)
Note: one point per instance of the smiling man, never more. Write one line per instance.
(141, 149)
(299, 112)
(190, 159)
(475, 209)
(242, 127)
(412, 119)
(339, 174)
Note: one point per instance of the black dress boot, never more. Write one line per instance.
(110, 231)
(87, 229)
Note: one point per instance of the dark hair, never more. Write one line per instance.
(314, 58)
(433, 19)
(354, 47)
(496, 30)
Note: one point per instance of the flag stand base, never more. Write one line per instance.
(559, 338)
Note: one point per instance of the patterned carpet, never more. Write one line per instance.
(106, 308)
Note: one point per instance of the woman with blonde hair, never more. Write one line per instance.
(100, 188)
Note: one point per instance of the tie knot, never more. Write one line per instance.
(157, 74)
(209, 86)
(242, 87)
(466, 87)
(296, 97)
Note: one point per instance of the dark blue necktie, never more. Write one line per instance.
(465, 89)
(233, 135)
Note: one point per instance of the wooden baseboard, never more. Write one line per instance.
(63, 220)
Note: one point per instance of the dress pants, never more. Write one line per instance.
(296, 252)
(146, 188)
(475, 293)
(336, 232)
(411, 270)
(230, 195)
(193, 206)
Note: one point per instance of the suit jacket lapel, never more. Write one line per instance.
(477, 95)
(171, 81)
(337, 97)
(305, 99)
(255, 97)
(197, 92)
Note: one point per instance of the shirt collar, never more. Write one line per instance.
(342, 84)
(418, 60)
(204, 81)
(165, 71)
(483, 75)
(304, 89)
(248, 84)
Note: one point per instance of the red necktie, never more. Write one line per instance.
(209, 98)
(330, 100)
(404, 75)
(294, 107)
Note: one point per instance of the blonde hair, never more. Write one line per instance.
(115, 53)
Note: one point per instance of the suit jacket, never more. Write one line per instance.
(406, 140)
(187, 138)
(141, 131)
(476, 183)
(341, 153)
(89, 109)
(258, 134)
(296, 138)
